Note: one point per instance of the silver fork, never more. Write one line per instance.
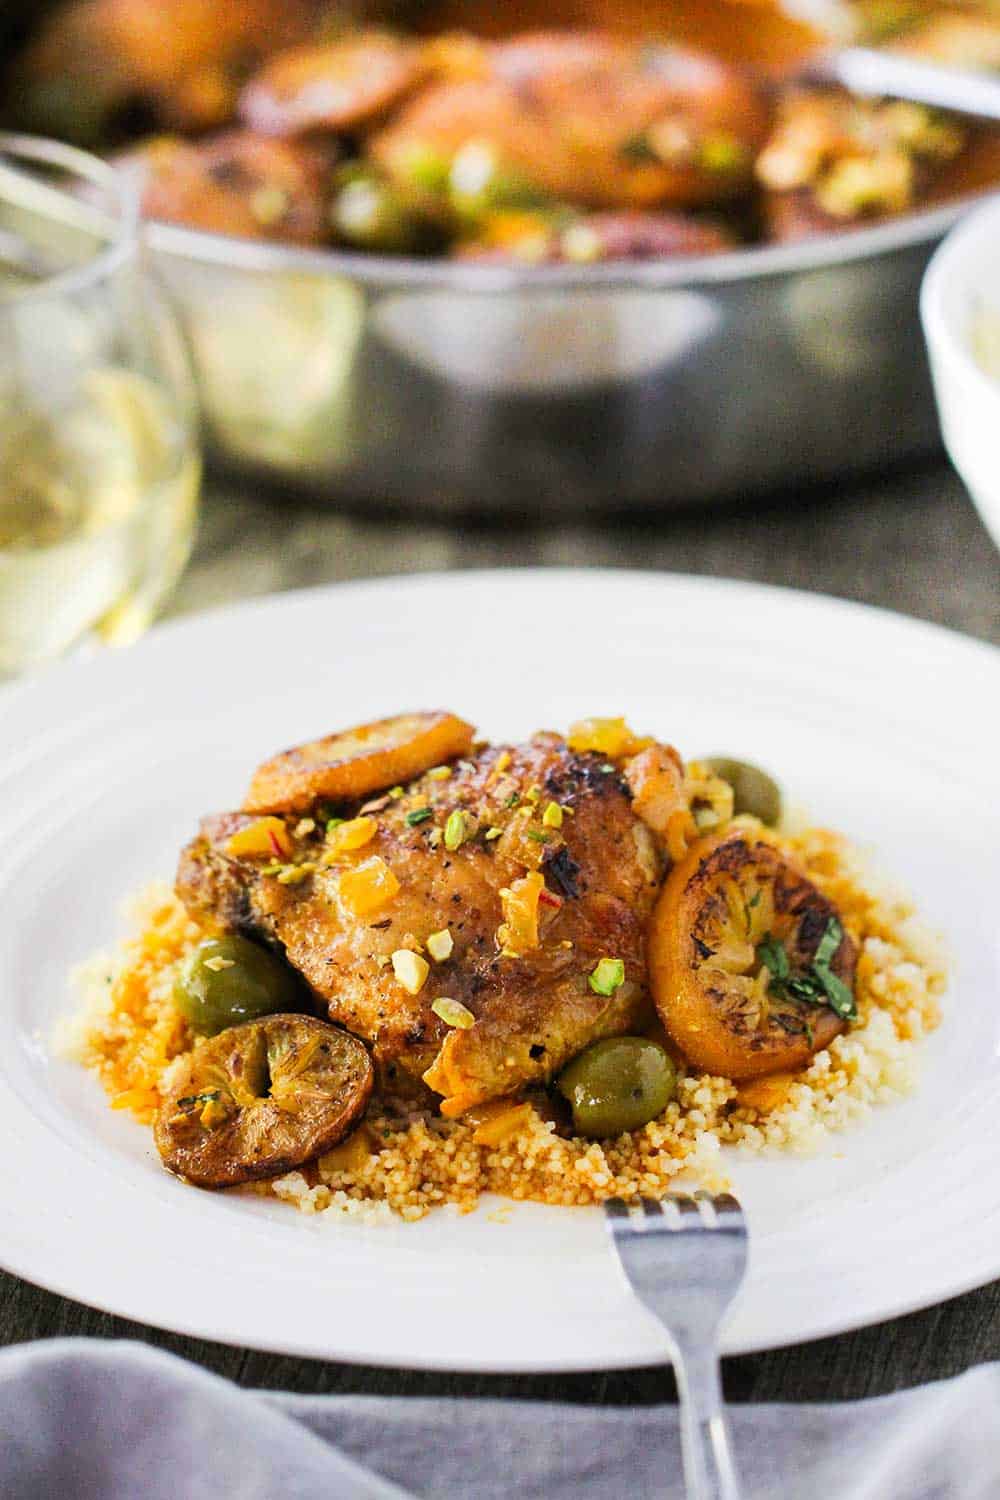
(685, 1258)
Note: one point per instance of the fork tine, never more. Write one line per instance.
(728, 1212)
(725, 1202)
(686, 1207)
(706, 1207)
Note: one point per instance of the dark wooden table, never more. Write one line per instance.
(910, 542)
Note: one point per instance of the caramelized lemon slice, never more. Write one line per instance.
(262, 1098)
(731, 907)
(357, 761)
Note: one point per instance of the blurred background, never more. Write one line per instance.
(563, 282)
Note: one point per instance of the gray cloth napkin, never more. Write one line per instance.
(83, 1419)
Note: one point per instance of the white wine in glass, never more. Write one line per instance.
(99, 464)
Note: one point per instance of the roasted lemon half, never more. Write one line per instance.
(262, 1098)
(750, 967)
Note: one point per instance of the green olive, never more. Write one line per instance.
(754, 791)
(618, 1084)
(373, 215)
(227, 980)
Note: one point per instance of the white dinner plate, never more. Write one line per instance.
(884, 728)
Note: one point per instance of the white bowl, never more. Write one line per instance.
(961, 290)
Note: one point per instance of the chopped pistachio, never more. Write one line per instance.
(418, 815)
(552, 817)
(539, 836)
(503, 761)
(295, 874)
(410, 969)
(395, 792)
(608, 975)
(454, 1013)
(493, 833)
(440, 945)
(722, 152)
(218, 963)
(457, 829)
(439, 773)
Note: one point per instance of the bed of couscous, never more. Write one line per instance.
(407, 1159)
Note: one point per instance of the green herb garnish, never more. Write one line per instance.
(419, 815)
(773, 955)
(828, 944)
(839, 996)
(637, 149)
(538, 836)
(819, 985)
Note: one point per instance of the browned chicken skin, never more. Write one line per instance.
(529, 1008)
(339, 85)
(238, 184)
(183, 61)
(595, 119)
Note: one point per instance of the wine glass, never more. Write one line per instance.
(99, 460)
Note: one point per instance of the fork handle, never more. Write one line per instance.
(706, 1448)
